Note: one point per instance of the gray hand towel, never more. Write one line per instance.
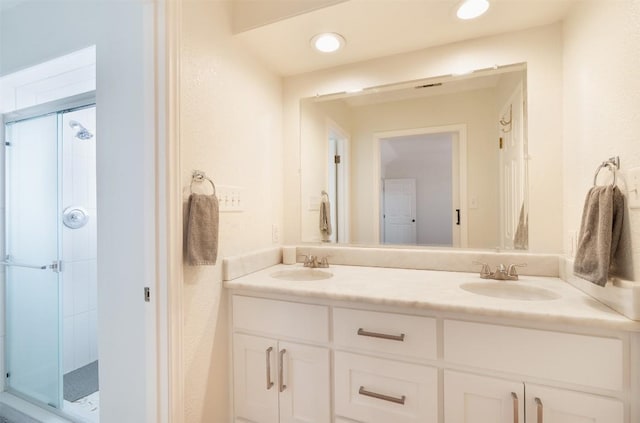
(202, 230)
(325, 216)
(599, 233)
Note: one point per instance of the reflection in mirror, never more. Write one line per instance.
(436, 162)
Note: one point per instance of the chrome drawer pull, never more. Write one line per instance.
(363, 391)
(514, 397)
(282, 385)
(269, 382)
(363, 332)
(539, 409)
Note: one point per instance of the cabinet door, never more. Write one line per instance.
(552, 405)
(476, 399)
(254, 377)
(303, 382)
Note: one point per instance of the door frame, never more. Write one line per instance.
(502, 112)
(461, 131)
(342, 229)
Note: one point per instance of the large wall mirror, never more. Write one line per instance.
(436, 162)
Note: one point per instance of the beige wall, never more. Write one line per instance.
(601, 109)
(231, 120)
(540, 48)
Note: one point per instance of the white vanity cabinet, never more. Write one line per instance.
(327, 361)
(584, 361)
(478, 399)
(278, 381)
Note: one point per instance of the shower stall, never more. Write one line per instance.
(50, 258)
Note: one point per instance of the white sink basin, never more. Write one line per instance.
(510, 290)
(306, 274)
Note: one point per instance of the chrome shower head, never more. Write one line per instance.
(82, 133)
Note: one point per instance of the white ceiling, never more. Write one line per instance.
(378, 28)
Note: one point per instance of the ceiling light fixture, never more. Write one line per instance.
(471, 9)
(328, 42)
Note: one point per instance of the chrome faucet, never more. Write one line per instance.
(315, 261)
(502, 273)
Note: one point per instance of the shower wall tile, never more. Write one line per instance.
(79, 244)
(68, 362)
(93, 335)
(93, 285)
(2, 222)
(81, 282)
(2, 368)
(67, 290)
(81, 347)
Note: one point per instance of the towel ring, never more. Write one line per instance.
(199, 176)
(611, 166)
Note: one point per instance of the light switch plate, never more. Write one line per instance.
(633, 188)
(230, 198)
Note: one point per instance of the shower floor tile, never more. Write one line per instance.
(87, 408)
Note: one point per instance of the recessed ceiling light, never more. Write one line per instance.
(328, 42)
(471, 9)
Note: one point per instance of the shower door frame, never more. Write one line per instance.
(58, 108)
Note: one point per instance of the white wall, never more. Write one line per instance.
(36, 31)
(231, 122)
(540, 48)
(601, 110)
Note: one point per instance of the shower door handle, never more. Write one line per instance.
(55, 266)
(28, 266)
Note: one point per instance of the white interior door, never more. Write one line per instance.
(512, 166)
(399, 211)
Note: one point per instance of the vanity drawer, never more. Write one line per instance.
(375, 390)
(399, 334)
(281, 318)
(564, 357)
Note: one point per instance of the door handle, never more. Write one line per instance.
(362, 332)
(367, 393)
(539, 410)
(269, 381)
(458, 214)
(514, 398)
(281, 374)
(10, 263)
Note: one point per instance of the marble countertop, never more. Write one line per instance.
(440, 291)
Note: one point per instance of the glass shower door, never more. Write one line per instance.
(33, 319)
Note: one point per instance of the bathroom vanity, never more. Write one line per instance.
(378, 345)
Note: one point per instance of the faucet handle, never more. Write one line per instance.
(485, 271)
(308, 259)
(511, 271)
(324, 261)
